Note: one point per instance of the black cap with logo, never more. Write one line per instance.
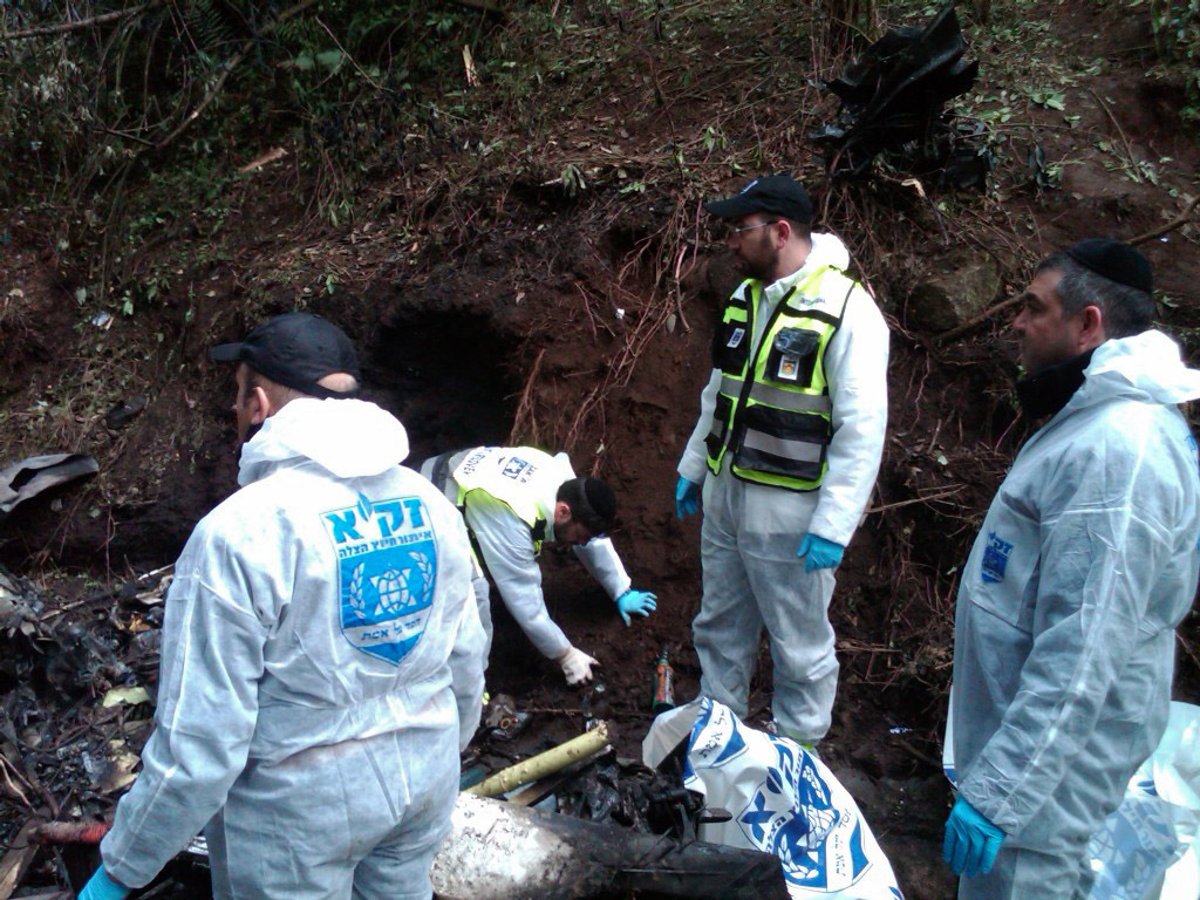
(297, 350)
(780, 195)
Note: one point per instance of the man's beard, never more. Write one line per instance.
(763, 271)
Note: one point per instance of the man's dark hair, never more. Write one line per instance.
(802, 230)
(1127, 310)
(592, 503)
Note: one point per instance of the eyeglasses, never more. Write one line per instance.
(728, 231)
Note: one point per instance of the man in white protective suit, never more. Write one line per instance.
(1064, 636)
(514, 499)
(322, 655)
(786, 450)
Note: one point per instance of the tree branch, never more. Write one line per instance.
(64, 27)
(482, 6)
(1181, 219)
(233, 63)
(972, 323)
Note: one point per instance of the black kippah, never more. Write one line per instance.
(1115, 261)
(601, 499)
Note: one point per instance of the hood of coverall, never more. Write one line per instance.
(1145, 367)
(350, 438)
(827, 250)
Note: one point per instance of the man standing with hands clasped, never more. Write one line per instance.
(787, 448)
(1064, 636)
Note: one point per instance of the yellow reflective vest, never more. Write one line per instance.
(773, 412)
(518, 477)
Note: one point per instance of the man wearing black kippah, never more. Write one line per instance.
(515, 498)
(1087, 561)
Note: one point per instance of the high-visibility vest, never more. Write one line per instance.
(515, 476)
(773, 412)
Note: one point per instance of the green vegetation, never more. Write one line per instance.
(129, 120)
(1176, 26)
(134, 122)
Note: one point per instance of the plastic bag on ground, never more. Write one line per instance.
(1152, 838)
(784, 801)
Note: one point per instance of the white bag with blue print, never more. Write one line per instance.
(784, 801)
(1149, 846)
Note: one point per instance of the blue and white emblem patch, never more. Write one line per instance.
(995, 558)
(792, 815)
(387, 570)
(518, 469)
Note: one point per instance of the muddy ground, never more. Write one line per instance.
(493, 306)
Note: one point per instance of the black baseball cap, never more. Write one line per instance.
(778, 194)
(297, 350)
(1115, 261)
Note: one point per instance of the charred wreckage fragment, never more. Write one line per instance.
(893, 106)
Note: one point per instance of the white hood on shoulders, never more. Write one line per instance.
(350, 438)
(827, 250)
(1146, 366)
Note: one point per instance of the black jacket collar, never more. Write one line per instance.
(1048, 391)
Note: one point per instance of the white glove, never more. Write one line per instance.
(576, 665)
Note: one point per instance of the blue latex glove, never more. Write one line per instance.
(972, 842)
(641, 602)
(101, 887)
(687, 498)
(819, 553)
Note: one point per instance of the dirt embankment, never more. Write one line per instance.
(501, 298)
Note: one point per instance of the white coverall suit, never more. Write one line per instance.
(322, 667)
(1064, 636)
(751, 532)
(509, 547)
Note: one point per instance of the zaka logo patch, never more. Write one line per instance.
(995, 558)
(518, 469)
(387, 568)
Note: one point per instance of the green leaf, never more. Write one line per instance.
(330, 59)
(1048, 99)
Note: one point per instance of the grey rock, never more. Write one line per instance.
(960, 285)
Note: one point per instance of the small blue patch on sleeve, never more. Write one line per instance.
(995, 558)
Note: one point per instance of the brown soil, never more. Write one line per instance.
(554, 325)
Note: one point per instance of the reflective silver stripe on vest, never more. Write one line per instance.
(773, 396)
(801, 451)
(730, 386)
